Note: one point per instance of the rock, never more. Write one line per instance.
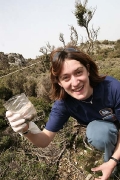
(16, 59)
(89, 177)
(12, 59)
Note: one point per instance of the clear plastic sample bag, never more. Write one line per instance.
(20, 104)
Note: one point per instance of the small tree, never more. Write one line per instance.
(84, 16)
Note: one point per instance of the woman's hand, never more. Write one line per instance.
(17, 123)
(106, 169)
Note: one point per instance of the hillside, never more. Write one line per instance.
(67, 157)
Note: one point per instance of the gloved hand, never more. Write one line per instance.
(19, 124)
(16, 121)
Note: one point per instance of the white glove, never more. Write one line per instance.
(33, 128)
(18, 124)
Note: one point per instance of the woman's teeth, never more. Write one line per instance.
(76, 90)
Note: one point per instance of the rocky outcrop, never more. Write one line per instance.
(15, 59)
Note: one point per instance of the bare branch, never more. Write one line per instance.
(43, 50)
(50, 48)
(61, 38)
(73, 36)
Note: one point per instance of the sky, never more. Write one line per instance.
(27, 25)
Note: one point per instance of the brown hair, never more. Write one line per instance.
(57, 58)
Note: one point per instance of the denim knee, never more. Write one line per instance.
(102, 134)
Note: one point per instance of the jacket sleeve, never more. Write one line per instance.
(58, 116)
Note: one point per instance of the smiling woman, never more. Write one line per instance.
(80, 92)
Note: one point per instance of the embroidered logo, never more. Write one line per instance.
(106, 111)
(108, 114)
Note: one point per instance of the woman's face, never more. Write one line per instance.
(74, 78)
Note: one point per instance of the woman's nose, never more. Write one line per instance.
(74, 81)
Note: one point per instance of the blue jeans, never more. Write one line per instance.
(103, 136)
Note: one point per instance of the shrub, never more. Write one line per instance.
(3, 123)
(105, 42)
(5, 93)
(30, 87)
(43, 86)
(5, 142)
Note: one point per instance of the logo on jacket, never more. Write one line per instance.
(108, 115)
(106, 111)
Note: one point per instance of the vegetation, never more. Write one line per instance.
(67, 157)
(84, 15)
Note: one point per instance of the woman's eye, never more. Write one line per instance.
(65, 78)
(79, 72)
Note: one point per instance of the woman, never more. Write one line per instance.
(80, 92)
